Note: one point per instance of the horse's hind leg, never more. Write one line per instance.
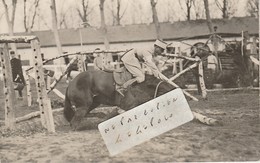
(78, 116)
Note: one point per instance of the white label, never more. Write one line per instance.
(145, 121)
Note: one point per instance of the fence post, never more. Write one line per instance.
(8, 87)
(181, 64)
(201, 80)
(44, 101)
(28, 87)
(174, 66)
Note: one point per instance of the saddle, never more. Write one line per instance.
(121, 76)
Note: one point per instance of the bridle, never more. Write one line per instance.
(156, 89)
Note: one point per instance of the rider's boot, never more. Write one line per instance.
(129, 82)
(121, 90)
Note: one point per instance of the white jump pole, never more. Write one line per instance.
(28, 88)
(201, 80)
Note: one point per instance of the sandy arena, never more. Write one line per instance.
(237, 139)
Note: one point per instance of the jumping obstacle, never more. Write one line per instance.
(121, 51)
(44, 101)
(197, 63)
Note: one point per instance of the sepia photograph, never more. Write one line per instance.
(129, 81)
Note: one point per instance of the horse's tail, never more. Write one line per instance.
(68, 108)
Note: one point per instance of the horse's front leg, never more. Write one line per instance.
(78, 116)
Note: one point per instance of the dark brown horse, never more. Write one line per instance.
(91, 88)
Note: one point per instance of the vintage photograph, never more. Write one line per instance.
(129, 81)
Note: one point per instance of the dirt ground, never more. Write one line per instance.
(237, 139)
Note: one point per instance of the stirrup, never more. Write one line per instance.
(120, 91)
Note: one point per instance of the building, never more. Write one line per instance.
(140, 35)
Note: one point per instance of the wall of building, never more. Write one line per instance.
(51, 52)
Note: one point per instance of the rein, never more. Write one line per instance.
(156, 89)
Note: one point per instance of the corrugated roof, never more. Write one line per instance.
(143, 32)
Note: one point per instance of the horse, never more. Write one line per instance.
(94, 87)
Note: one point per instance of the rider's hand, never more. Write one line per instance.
(156, 74)
(161, 76)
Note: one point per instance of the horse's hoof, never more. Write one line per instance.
(74, 128)
(75, 125)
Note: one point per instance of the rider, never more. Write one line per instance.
(132, 59)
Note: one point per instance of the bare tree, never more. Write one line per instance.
(103, 23)
(209, 22)
(227, 7)
(155, 19)
(55, 27)
(188, 4)
(116, 11)
(136, 12)
(223, 8)
(84, 12)
(62, 22)
(41, 18)
(28, 24)
(62, 15)
(10, 20)
(253, 7)
(198, 9)
(2, 12)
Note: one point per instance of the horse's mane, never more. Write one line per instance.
(150, 81)
(148, 87)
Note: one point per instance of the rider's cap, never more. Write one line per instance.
(161, 44)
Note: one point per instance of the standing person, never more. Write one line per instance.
(98, 61)
(133, 58)
(17, 72)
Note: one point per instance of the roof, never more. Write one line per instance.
(143, 32)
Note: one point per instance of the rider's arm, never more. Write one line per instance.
(148, 59)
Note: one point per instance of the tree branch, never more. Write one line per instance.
(124, 10)
(90, 10)
(34, 14)
(44, 21)
(182, 8)
(14, 2)
(24, 16)
(80, 14)
(219, 5)
(6, 11)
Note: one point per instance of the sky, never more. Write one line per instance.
(136, 11)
